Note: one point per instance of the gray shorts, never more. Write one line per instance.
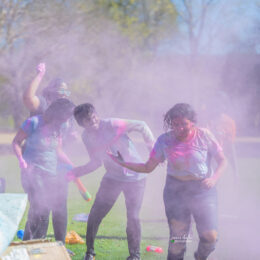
(185, 198)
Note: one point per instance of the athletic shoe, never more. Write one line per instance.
(89, 256)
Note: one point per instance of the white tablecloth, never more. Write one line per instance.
(12, 207)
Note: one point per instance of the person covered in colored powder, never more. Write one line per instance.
(37, 104)
(46, 189)
(190, 184)
(98, 136)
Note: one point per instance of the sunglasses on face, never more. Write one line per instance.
(64, 92)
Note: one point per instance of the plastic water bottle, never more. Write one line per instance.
(20, 234)
(155, 249)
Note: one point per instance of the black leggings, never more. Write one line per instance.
(107, 195)
(45, 194)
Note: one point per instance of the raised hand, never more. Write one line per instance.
(116, 158)
(41, 69)
(119, 156)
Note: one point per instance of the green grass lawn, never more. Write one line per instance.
(111, 238)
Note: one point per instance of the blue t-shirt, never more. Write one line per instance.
(41, 145)
(108, 137)
(187, 158)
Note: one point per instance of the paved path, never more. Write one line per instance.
(6, 138)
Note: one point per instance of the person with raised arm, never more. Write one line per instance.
(37, 104)
(46, 188)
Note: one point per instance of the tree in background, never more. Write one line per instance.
(67, 35)
(12, 28)
(98, 46)
(211, 26)
(144, 22)
(12, 32)
(31, 31)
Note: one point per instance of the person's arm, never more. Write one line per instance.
(124, 125)
(30, 99)
(147, 167)
(17, 147)
(221, 165)
(217, 152)
(91, 166)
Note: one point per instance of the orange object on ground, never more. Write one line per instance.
(73, 238)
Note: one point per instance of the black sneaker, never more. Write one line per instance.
(89, 256)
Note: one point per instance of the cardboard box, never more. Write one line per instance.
(39, 249)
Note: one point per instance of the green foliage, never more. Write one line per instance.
(6, 122)
(57, 31)
(145, 23)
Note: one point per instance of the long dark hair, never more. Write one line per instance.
(61, 108)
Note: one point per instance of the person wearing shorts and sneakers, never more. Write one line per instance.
(190, 184)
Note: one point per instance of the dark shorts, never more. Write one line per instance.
(185, 198)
